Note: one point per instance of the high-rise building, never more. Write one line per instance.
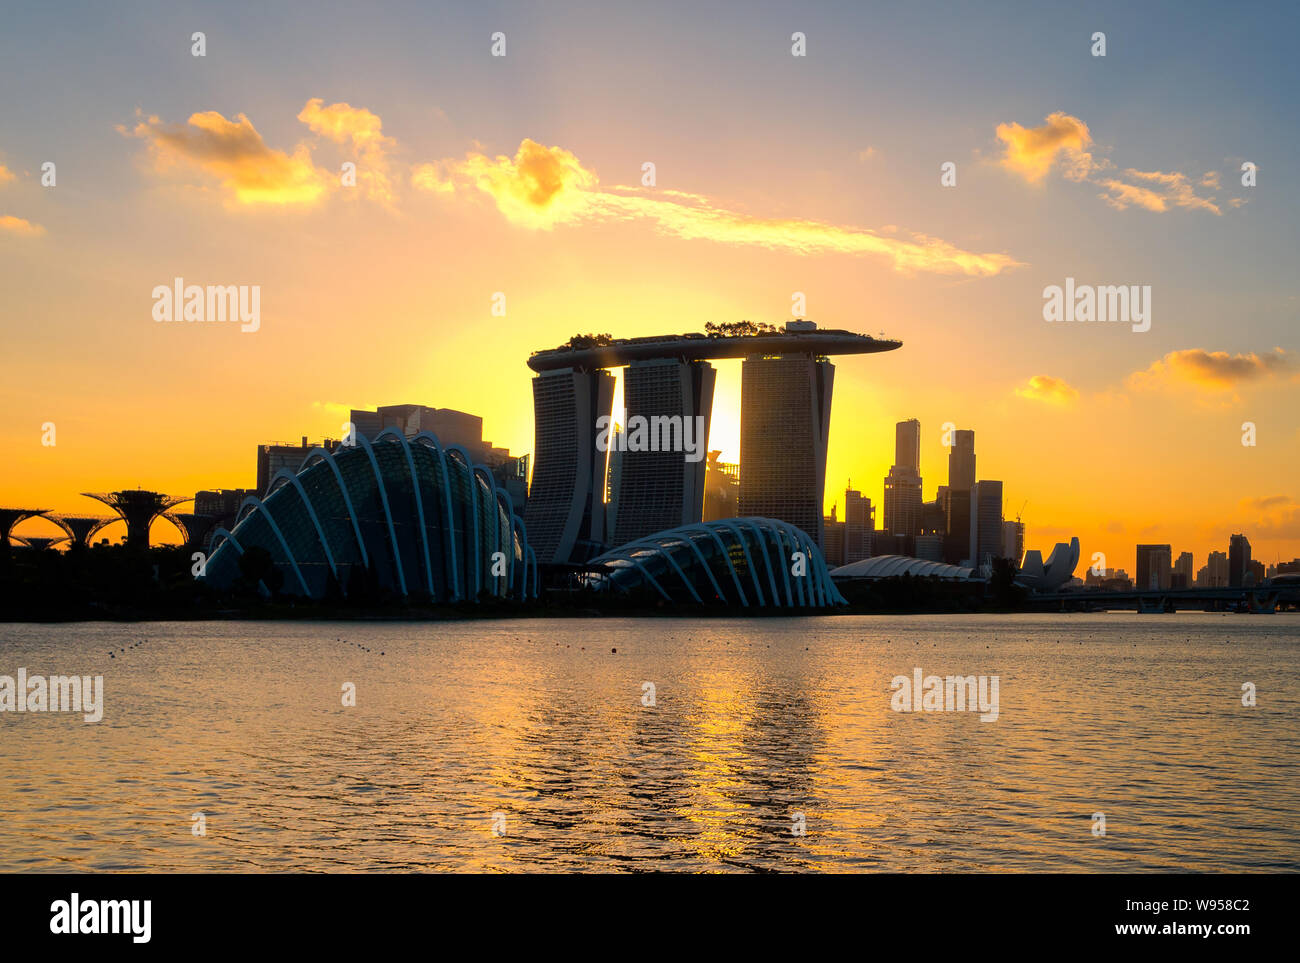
(276, 456)
(956, 510)
(833, 539)
(785, 423)
(721, 489)
(954, 498)
(565, 515)
(961, 461)
(1238, 559)
(1184, 574)
(859, 526)
(1254, 572)
(929, 548)
(661, 488)
(1214, 573)
(1013, 540)
(613, 477)
(450, 427)
(1154, 567)
(985, 522)
(903, 483)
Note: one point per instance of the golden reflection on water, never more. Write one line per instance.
(524, 745)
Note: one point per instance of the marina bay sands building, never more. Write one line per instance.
(663, 489)
(785, 423)
(565, 514)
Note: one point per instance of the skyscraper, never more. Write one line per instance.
(565, 514)
(985, 522)
(1013, 540)
(1238, 559)
(956, 510)
(1216, 570)
(903, 483)
(785, 420)
(660, 488)
(955, 499)
(961, 461)
(1184, 573)
(859, 526)
(1153, 567)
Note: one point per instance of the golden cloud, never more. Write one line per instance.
(1031, 152)
(5, 174)
(1212, 370)
(1120, 196)
(1064, 141)
(1047, 389)
(541, 187)
(363, 130)
(1172, 188)
(233, 152)
(16, 225)
(1274, 516)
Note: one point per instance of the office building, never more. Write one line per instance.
(985, 523)
(1154, 567)
(1013, 540)
(903, 483)
(859, 526)
(1238, 560)
(277, 456)
(961, 461)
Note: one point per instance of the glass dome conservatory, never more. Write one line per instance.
(412, 517)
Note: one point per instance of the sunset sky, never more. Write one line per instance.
(775, 174)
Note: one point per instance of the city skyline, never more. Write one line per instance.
(381, 295)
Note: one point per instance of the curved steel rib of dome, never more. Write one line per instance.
(747, 562)
(419, 517)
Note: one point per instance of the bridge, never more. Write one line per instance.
(1260, 599)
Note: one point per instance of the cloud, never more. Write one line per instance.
(1211, 370)
(1274, 516)
(432, 178)
(363, 131)
(1031, 152)
(539, 187)
(1165, 189)
(16, 225)
(1120, 196)
(1267, 502)
(867, 154)
(1047, 389)
(542, 187)
(6, 174)
(1065, 142)
(233, 152)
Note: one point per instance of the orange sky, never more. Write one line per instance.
(381, 292)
